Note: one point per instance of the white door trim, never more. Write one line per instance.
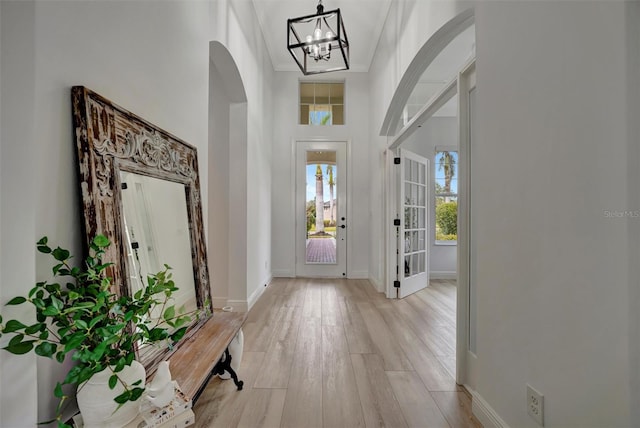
(464, 358)
(346, 207)
(391, 231)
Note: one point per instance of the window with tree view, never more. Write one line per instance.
(446, 196)
(321, 103)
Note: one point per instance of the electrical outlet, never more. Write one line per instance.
(535, 405)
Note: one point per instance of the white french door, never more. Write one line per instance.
(321, 209)
(413, 201)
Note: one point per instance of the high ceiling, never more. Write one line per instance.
(363, 21)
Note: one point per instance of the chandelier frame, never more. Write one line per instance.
(300, 49)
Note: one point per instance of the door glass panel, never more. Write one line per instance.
(414, 217)
(407, 194)
(321, 206)
(414, 195)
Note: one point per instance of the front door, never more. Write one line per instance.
(321, 214)
(413, 258)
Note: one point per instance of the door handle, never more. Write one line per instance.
(343, 226)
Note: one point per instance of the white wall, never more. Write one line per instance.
(558, 298)
(632, 15)
(436, 131)
(286, 131)
(218, 233)
(235, 25)
(409, 25)
(18, 184)
(149, 57)
(77, 43)
(552, 267)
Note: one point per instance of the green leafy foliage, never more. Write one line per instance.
(447, 218)
(16, 301)
(87, 321)
(311, 214)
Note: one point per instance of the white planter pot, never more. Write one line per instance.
(236, 348)
(95, 399)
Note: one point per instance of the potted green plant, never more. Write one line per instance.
(100, 329)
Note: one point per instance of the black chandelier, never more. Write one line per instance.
(323, 46)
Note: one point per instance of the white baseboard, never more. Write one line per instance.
(358, 274)
(238, 305)
(488, 417)
(219, 302)
(283, 273)
(376, 284)
(257, 293)
(435, 274)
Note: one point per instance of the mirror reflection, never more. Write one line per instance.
(156, 227)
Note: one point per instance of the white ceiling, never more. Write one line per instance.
(363, 21)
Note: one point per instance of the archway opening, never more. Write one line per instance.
(424, 118)
(227, 180)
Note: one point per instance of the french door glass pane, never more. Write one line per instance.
(414, 217)
(321, 206)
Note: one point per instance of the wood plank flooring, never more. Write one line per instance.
(336, 353)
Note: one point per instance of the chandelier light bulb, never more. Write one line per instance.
(309, 40)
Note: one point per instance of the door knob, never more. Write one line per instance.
(343, 226)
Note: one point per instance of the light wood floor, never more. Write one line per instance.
(335, 353)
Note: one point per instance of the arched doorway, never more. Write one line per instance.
(227, 180)
(420, 98)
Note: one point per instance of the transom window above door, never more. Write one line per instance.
(321, 103)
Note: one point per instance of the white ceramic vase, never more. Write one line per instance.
(95, 399)
(236, 348)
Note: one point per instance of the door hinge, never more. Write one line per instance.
(396, 284)
(396, 161)
(396, 222)
(123, 186)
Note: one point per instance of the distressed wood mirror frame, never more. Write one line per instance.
(109, 140)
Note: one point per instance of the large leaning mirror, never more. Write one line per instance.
(140, 188)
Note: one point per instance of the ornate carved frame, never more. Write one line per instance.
(110, 139)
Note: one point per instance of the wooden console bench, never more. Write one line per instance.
(194, 362)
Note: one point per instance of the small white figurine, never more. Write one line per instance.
(161, 390)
